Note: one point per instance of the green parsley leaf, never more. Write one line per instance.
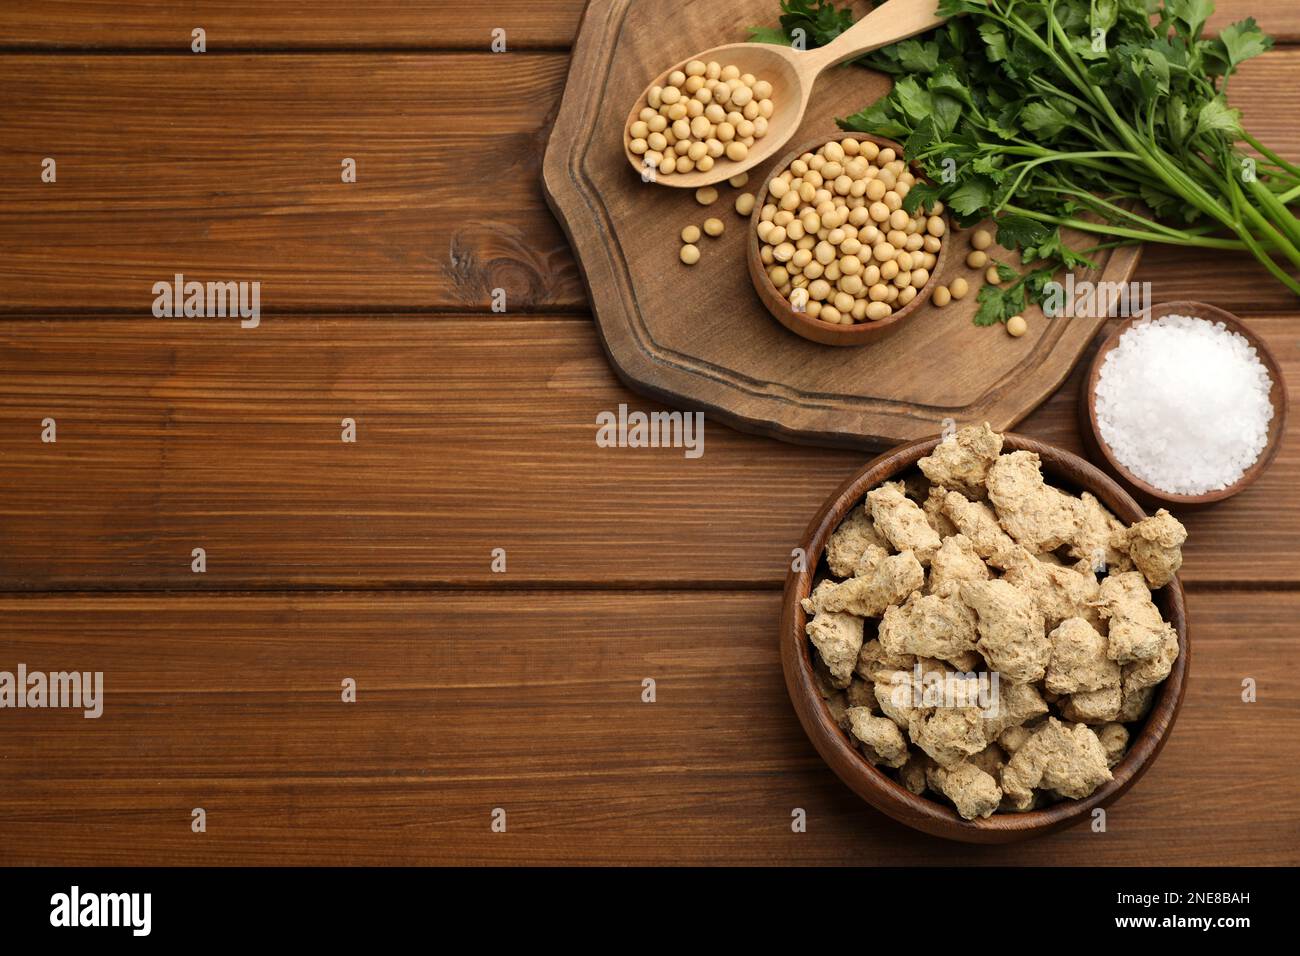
(972, 196)
(1217, 116)
(997, 304)
(1238, 43)
(1019, 232)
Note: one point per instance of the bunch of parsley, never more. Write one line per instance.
(1108, 117)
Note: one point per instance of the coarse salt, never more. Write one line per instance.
(1183, 403)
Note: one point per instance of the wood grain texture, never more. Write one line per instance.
(276, 24)
(182, 434)
(476, 431)
(155, 179)
(230, 168)
(426, 24)
(532, 702)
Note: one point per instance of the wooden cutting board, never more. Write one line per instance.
(699, 338)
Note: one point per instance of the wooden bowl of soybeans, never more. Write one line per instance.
(804, 266)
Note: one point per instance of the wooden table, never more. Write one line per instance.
(372, 560)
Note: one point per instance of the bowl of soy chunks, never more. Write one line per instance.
(989, 641)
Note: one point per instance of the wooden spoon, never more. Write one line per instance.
(792, 74)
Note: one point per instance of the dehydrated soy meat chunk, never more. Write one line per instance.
(815, 603)
(897, 693)
(1137, 631)
(1114, 740)
(979, 524)
(869, 560)
(1058, 591)
(889, 582)
(1135, 703)
(954, 562)
(961, 461)
(1013, 738)
(1016, 704)
(850, 539)
(902, 522)
(912, 774)
(1154, 670)
(1038, 516)
(881, 740)
(1093, 706)
(875, 665)
(1011, 634)
(973, 792)
(1079, 661)
(1069, 761)
(933, 625)
(822, 678)
(933, 508)
(1101, 538)
(1155, 545)
(948, 734)
(1139, 675)
(837, 637)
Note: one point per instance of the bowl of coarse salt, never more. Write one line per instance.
(1184, 404)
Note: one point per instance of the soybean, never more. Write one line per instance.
(702, 104)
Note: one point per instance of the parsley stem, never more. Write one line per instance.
(1109, 229)
(1028, 167)
(1118, 211)
(1272, 156)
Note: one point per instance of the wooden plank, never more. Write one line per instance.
(241, 182)
(230, 168)
(276, 24)
(254, 24)
(1280, 19)
(174, 435)
(532, 702)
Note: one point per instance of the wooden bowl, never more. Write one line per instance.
(800, 323)
(1064, 470)
(1146, 493)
